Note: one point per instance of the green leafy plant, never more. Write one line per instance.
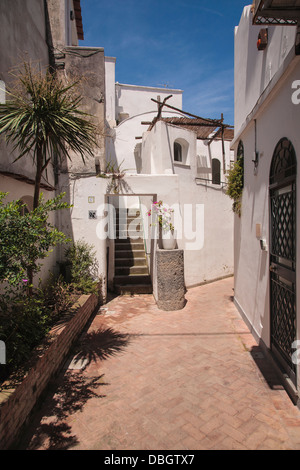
(116, 173)
(25, 320)
(81, 259)
(24, 323)
(235, 180)
(57, 296)
(42, 117)
(26, 239)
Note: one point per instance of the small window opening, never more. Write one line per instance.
(216, 171)
(177, 152)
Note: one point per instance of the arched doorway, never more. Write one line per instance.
(283, 254)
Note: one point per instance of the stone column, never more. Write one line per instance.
(170, 286)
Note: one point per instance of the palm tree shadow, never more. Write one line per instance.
(70, 392)
(100, 345)
(67, 395)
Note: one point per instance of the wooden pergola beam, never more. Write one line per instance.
(213, 121)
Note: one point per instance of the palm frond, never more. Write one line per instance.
(43, 112)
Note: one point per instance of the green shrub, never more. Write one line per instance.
(58, 296)
(26, 314)
(235, 180)
(24, 323)
(26, 320)
(26, 239)
(81, 260)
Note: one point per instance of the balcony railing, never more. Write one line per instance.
(276, 12)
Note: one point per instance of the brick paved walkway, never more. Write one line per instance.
(145, 379)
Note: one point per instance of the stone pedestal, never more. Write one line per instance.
(170, 285)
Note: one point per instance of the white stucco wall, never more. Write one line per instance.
(110, 92)
(19, 190)
(274, 122)
(276, 117)
(206, 153)
(135, 99)
(85, 195)
(206, 235)
(23, 38)
(148, 159)
(133, 106)
(255, 69)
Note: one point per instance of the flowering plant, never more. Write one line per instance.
(163, 214)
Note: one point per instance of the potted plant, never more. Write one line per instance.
(164, 217)
(116, 174)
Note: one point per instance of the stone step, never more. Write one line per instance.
(133, 212)
(124, 280)
(128, 246)
(134, 289)
(127, 216)
(131, 241)
(131, 269)
(142, 261)
(129, 231)
(128, 270)
(129, 254)
(127, 222)
(131, 235)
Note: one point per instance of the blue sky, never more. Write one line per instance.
(183, 44)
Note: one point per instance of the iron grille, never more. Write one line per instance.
(283, 252)
(284, 225)
(284, 163)
(283, 319)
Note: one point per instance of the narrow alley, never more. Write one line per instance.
(144, 379)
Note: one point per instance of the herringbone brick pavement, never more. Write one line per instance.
(145, 379)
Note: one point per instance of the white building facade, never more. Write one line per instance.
(162, 159)
(144, 148)
(267, 113)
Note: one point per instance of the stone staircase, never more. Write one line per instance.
(131, 268)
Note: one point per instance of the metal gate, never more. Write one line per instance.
(283, 254)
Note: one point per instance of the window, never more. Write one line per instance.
(216, 171)
(181, 151)
(284, 162)
(177, 152)
(240, 151)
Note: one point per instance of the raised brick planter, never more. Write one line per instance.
(17, 403)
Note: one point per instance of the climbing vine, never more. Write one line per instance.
(235, 181)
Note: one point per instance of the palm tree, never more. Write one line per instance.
(42, 117)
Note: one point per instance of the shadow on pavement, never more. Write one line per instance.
(68, 394)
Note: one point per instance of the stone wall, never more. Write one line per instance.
(16, 404)
(170, 289)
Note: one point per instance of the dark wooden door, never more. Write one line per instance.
(283, 255)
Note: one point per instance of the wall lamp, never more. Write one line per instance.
(262, 40)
